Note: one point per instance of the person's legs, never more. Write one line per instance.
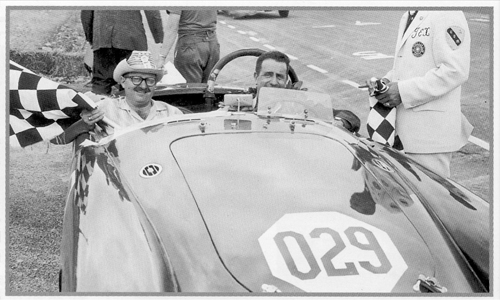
(196, 55)
(212, 57)
(437, 162)
(187, 58)
(105, 61)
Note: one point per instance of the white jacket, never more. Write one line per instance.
(432, 61)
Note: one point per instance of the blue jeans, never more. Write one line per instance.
(196, 54)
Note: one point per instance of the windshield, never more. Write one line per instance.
(263, 165)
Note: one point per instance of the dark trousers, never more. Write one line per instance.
(196, 54)
(105, 62)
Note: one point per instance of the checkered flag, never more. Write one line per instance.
(381, 123)
(41, 109)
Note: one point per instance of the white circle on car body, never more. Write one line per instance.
(150, 170)
(332, 253)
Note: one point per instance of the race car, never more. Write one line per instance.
(277, 199)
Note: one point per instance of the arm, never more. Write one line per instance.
(155, 25)
(78, 128)
(349, 120)
(170, 36)
(84, 125)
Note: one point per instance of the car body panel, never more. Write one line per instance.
(228, 178)
(230, 188)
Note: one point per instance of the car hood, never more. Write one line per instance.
(301, 212)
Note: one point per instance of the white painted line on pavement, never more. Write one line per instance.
(291, 57)
(317, 69)
(231, 26)
(479, 142)
(241, 32)
(254, 39)
(359, 23)
(351, 83)
(222, 22)
(269, 47)
(324, 26)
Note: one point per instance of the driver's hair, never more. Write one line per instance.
(274, 55)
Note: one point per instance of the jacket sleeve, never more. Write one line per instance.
(87, 18)
(452, 60)
(71, 133)
(155, 24)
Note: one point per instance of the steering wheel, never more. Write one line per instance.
(239, 53)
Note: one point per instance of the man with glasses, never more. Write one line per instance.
(138, 75)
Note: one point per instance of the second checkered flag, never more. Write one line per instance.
(381, 123)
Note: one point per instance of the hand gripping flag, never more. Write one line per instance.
(41, 109)
(381, 123)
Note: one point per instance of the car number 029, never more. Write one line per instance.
(331, 252)
(326, 260)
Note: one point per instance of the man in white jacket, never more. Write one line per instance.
(432, 61)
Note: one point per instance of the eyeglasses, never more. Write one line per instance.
(137, 80)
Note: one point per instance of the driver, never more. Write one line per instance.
(271, 70)
(138, 75)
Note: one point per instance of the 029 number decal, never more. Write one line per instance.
(326, 259)
(331, 252)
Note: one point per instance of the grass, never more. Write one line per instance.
(37, 189)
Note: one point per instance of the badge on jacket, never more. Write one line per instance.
(455, 37)
(418, 49)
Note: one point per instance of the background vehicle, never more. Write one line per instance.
(233, 201)
(249, 13)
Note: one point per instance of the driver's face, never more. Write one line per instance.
(272, 74)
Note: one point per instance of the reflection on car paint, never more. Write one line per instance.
(87, 157)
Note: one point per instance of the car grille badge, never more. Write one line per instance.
(428, 285)
(268, 288)
(150, 170)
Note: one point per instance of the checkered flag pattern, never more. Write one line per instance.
(381, 123)
(82, 171)
(41, 109)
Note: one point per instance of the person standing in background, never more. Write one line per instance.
(197, 49)
(113, 35)
(431, 62)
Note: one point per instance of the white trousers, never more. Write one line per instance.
(437, 162)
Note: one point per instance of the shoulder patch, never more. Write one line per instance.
(455, 37)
